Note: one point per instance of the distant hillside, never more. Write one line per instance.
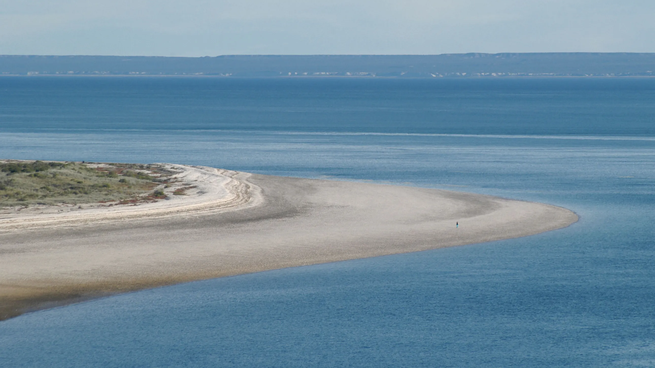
(407, 66)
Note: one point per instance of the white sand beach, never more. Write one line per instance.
(234, 223)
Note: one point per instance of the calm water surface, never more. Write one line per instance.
(581, 296)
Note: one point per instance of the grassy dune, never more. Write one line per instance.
(25, 183)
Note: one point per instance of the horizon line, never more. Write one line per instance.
(340, 55)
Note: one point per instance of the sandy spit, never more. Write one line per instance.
(238, 223)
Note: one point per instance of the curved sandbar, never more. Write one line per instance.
(278, 222)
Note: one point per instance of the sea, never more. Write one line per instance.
(583, 296)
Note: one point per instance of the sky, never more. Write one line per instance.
(305, 27)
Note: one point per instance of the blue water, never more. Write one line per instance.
(580, 296)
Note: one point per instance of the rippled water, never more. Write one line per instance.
(581, 296)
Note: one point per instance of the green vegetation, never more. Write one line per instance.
(46, 183)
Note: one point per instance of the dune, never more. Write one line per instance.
(235, 223)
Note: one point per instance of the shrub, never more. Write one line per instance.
(36, 166)
(5, 184)
(12, 168)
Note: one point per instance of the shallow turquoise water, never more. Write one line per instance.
(581, 296)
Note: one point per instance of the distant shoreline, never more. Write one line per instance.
(278, 222)
(469, 65)
(327, 77)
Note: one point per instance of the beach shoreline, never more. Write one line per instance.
(251, 223)
(203, 189)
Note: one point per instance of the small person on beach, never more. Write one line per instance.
(457, 225)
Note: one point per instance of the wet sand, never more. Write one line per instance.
(269, 223)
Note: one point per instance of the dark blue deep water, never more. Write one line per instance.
(583, 296)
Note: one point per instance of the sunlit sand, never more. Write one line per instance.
(234, 223)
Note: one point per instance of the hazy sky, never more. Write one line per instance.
(219, 27)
